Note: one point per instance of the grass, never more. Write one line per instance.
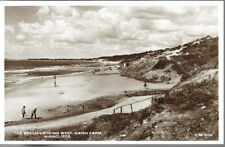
(194, 58)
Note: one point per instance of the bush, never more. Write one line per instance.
(191, 96)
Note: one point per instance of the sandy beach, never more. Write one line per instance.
(99, 93)
(70, 90)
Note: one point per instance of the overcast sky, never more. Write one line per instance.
(84, 32)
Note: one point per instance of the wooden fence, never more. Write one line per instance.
(131, 104)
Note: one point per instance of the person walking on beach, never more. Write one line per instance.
(33, 113)
(23, 112)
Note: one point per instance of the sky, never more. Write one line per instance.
(94, 31)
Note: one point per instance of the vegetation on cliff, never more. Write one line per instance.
(174, 65)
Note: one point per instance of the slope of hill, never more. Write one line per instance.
(188, 112)
(176, 64)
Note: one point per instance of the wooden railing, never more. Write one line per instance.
(131, 107)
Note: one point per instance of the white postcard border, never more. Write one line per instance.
(111, 3)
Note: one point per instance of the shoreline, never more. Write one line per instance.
(73, 89)
(35, 74)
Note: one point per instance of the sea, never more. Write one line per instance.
(22, 71)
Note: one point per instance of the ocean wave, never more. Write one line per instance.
(47, 69)
(52, 68)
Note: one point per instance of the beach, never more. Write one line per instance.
(87, 117)
(71, 89)
(75, 98)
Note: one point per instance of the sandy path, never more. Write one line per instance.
(62, 122)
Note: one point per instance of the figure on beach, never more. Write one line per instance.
(67, 109)
(83, 109)
(55, 81)
(33, 113)
(23, 112)
(145, 84)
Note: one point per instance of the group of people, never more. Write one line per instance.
(33, 113)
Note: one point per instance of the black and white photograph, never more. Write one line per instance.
(147, 72)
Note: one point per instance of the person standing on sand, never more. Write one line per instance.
(145, 84)
(82, 106)
(23, 112)
(68, 108)
(34, 113)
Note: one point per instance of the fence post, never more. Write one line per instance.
(153, 100)
(121, 109)
(131, 108)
